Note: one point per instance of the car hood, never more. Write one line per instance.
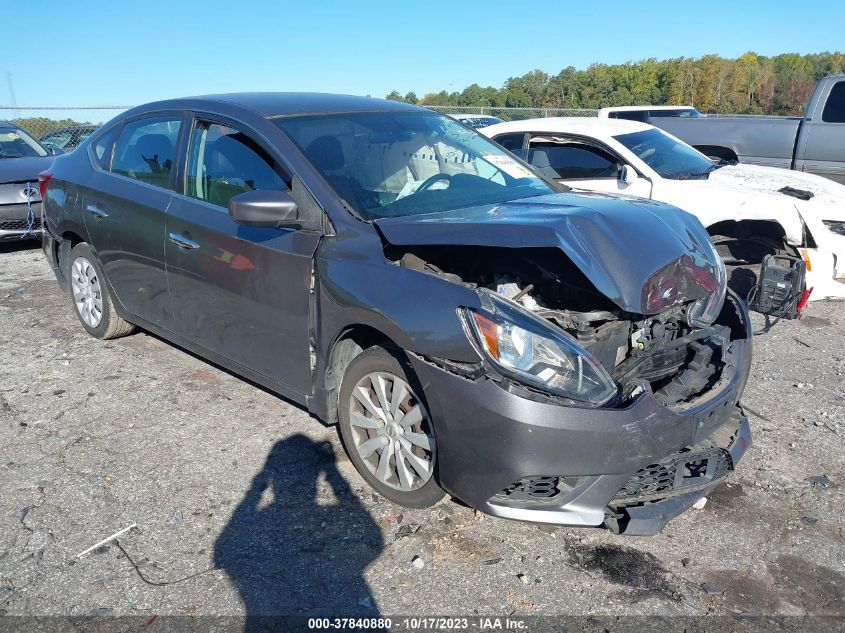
(753, 180)
(644, 256)
(23, 169)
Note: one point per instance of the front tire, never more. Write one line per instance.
(90, 295)
(386, 429)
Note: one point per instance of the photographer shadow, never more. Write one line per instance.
(299, 541)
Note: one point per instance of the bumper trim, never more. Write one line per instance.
(651, 518)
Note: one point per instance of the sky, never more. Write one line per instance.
(92, 53)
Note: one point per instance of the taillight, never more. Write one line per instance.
(44, 179)
(805, 296)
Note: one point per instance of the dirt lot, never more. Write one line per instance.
(245, 504)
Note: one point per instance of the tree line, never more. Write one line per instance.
(750, 84)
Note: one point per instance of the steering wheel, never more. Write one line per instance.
(433, 179)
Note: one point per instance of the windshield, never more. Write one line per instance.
(15, 143)
(670, 158)
(388, 164)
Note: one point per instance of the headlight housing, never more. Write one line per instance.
(835, 226)
(703, 311)
(530, 350)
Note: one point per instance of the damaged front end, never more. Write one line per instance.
(548, 336)
(548, 333)
(612, 359)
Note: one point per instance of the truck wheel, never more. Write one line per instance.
(386, 429)
(743, 257)
(90, 294)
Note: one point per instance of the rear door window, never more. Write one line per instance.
(834, 109)
(224, 162)
(146, 150)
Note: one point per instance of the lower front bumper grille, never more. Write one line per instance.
(679, 473)
(19, 225)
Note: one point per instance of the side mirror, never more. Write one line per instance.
(264, 208)
(54, 151)
(628, 175)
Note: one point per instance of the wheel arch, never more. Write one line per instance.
(349, 343)
(771, 229)
(61, 250)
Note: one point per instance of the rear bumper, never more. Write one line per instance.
(488, 439)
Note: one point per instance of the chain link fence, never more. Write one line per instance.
(67, 127)
(61, 127)
(515, 114)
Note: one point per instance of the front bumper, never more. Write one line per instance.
(825, 272)
(488, 439)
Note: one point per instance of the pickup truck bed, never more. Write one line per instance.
(814, 143)
(759, 140)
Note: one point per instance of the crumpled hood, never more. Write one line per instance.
(752, 180)
(23, 169)
(645, 256)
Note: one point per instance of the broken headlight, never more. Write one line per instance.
(702, 312)
(532, 351)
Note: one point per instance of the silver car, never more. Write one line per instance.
(22, 158)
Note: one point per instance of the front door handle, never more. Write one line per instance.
(95, 211)
(182, 241)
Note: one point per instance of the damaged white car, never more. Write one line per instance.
(750, 211)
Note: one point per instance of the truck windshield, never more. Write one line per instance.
(667, 156)
(387, 164)
(16, 143)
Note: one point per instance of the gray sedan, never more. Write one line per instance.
(470, 327)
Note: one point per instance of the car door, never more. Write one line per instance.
(240, 292)
(823, 152)
(581, 165)
(124, 203)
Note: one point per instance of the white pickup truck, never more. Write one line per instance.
(814, 143)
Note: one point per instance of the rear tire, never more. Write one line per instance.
(92, 301)
(386, 429)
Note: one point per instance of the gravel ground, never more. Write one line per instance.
(245, 504)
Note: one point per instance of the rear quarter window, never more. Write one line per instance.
(834, 109)
(101, 149)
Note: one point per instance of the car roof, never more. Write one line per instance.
(280, 104)
(569, 125)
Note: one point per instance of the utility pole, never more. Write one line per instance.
(13, 102)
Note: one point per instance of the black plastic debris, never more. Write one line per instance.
(819, 480)
(801, 194)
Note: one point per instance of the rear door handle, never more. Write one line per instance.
(95, 211)
(182, 241)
